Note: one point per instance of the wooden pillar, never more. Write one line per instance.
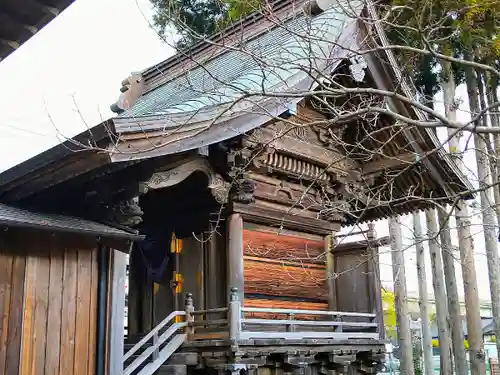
(375, 283)
(330, 272)
(235, 270)
(201, 273)
(117, 312)
(146, 304)
(134, 294)
(215, 270)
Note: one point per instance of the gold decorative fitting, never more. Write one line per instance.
(176, 244)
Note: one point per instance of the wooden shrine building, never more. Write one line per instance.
(239, 174)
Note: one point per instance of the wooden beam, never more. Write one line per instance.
(330, 273)
(117, 312)
(397, 161)
(235, 269)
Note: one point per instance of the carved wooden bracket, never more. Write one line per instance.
(275, 161)
(126, 212)
(219, 188)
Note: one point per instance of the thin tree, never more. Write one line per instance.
(423, 296)
(457, 333)
(401, 298)
(465, 244)
(439, 294)
(487, 211)
(491, 99)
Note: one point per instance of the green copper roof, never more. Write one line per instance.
(267, 64)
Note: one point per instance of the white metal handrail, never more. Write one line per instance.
(308, 312)
(172, 330)
(240, 325)
(307, 322)
(152, 333)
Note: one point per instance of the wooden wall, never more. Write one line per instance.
(287, 270)
(284, 270)
(354, 268)
(48, 301)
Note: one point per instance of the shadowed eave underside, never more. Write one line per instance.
(15, 217)
(20, 20)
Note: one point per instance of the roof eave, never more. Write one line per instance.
(407, 89)
(24, 31)
(90, 137)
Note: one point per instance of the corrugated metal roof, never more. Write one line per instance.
(265, 64)
(15, 217)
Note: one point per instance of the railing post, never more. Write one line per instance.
(156, 353)
(234, 315)
(338, 318)
(290, 327)
(189, 314)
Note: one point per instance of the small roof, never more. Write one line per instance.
(20, 20)
(16, 217)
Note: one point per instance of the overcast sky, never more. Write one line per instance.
(81, 56)
(64, 79)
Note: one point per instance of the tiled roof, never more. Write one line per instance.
(15, 217)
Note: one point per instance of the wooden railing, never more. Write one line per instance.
(238, 324)
(245, 323)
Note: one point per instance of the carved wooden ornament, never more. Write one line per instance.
(219, 188)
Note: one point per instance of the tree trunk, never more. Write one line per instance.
(474, 327)
(492, 98)
(439, 294)
(457, 333)
(423, 296)
(488, 213)
(468, 266)
(401, 298)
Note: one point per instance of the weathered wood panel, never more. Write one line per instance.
(48, 290)
(353, 281)
(6, 265)
(287, 270)
(262, 244)
(284, 279)
(54, 314)
(68, 312)
(287, 266)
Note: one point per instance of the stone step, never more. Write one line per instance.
(190, 359)
(172, 370)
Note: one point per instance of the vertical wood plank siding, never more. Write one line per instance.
(48, 291)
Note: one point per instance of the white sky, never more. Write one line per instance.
(85, 52)
(82, 56)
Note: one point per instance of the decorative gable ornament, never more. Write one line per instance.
(131, 90)
(357, 68)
